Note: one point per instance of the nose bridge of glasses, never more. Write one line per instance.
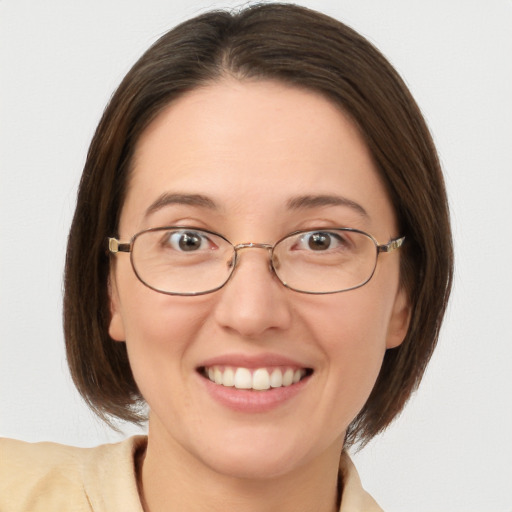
(252, 245)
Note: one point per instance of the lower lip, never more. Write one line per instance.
(250, 401)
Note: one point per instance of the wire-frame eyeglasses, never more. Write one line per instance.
(180, 260)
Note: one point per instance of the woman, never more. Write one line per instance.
(288, 262)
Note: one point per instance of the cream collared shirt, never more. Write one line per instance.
(49, 477)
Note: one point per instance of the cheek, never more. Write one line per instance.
(355, 348)
(353, 323)
(159, 324)
(159, 333)
(351, 331)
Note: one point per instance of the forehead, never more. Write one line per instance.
(251, 147)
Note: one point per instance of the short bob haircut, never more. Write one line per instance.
(301, 48)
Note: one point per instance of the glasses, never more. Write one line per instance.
(186, 261)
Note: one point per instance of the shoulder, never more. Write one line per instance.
(48, 476)
(354, 498)
(38, 475)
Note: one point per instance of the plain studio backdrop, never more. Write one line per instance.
(451, 449)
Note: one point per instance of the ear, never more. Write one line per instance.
(399, 321)
(116, 326)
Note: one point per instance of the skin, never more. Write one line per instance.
(250, 147)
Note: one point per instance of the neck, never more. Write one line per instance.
(171, 478)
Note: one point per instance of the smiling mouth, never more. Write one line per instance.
(256, 379)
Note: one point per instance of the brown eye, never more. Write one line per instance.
(189, 242)
(186, 241)
(319, 241)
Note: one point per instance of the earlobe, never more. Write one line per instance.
(116, 326)
(399, 321)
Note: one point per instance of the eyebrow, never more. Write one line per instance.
(167, 199)
(295, 203)
(316, 201)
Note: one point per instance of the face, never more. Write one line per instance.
(253, 151)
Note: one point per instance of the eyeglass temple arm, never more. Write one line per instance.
(391, 245)
(114, 246)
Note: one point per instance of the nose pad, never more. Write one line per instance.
(231, 263)
(274, 263)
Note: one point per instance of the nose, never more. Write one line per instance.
(253, 301)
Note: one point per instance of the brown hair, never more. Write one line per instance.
(300, 47)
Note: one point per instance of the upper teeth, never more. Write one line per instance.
(258, 379)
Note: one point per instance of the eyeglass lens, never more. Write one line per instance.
(190, 261)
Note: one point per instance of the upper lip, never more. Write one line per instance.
(252, 361)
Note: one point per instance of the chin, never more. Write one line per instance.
(257, 453)
(251, 466)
